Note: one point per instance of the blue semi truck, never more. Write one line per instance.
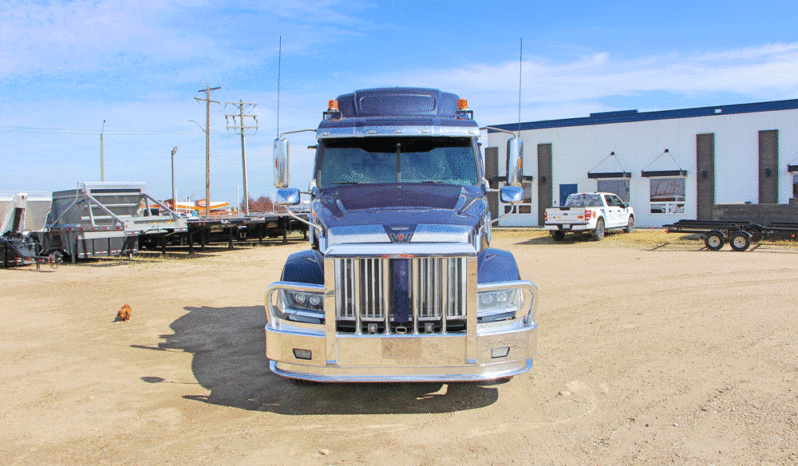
(399, 284)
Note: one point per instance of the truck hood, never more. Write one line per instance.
(378, 211)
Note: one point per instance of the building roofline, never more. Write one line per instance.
(631, 116)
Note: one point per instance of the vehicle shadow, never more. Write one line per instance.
(229, 351)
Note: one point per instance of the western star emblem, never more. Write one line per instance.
(400, 234)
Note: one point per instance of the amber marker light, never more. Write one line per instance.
(332, 106)
(462, 104)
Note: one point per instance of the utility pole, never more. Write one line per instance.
(241, 126)
(102, 156)
(174, 199)
(207, 101)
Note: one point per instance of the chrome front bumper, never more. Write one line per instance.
(328, 355)
(419, 358)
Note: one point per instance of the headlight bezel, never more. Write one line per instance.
(301, 306)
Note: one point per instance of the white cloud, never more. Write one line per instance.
(769, 71)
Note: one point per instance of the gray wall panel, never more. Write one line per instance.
(705, 175)
(769, 166)
(544, 180)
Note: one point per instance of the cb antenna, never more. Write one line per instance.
(279, 64)
(520, 67)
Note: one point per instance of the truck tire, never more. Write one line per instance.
(714, 240)
(598, 232)
(558, 235)
(740, 240)
(630, 226)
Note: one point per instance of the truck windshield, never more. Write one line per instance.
(396, 160)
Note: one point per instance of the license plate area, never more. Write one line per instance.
(401, 348)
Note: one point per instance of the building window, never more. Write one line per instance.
(795, 185)
(667, 195)
(525, 206)
(618, 187)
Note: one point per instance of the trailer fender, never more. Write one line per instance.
(496, 265)
(304, 267)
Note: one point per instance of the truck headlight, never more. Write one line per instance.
(497, 305)
(300, 306)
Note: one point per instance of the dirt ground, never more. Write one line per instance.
(651, 350)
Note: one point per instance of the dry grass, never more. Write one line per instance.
(650, 237)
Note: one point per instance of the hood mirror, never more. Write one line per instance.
(287, 196)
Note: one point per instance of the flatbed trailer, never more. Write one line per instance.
(228, 229)
(738, 233)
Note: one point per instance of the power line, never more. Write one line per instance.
(92, 132)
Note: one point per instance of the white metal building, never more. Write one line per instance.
(670, 164)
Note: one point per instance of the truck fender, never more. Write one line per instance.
(304, 267)
(496, 265)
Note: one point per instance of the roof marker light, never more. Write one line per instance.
(462, 104)
(332, 106)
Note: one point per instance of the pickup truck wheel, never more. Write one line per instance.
(598, 232)
(558, 235)
(740, 240)
(630, 226)
(714, 240)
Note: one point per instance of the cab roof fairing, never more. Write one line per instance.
(349, 131)
(398, 111)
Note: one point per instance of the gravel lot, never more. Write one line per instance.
(651, 350)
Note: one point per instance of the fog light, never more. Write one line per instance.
(500, 352)
(372, 329)
(429, 327)
(303, 354)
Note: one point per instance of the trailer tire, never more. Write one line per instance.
(740, 240)
(714, 240)
(558, 235)
(598, 232)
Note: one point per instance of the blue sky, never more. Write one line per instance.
(67, 66)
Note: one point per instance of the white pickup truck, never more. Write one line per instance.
(593, 213)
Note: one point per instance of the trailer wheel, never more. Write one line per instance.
(714, 240)
(558, 235)
(740, 240)
(598, 233)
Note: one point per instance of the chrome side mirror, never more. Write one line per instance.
(515, 161)
(286, 196)
(281, 174)
(511, 194)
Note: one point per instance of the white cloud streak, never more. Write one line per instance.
(769, 72)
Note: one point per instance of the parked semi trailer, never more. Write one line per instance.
(399, 283)
(17, 247)
(105, 219)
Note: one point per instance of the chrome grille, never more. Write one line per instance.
(437, 288)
